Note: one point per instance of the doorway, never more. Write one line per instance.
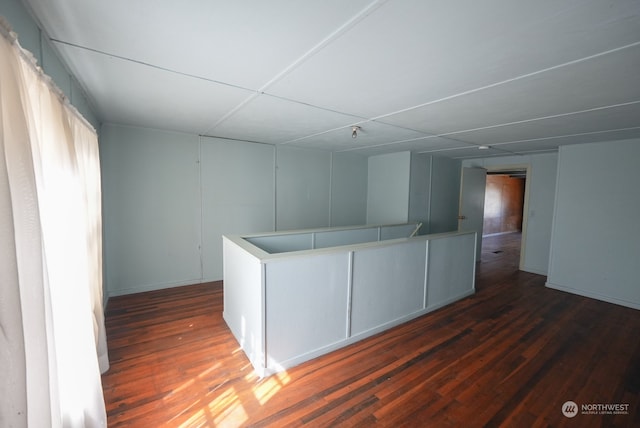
(504, 217)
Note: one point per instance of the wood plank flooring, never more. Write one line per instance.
(510, 355)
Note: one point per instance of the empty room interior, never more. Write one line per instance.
(320, 213)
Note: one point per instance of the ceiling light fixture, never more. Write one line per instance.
(354, 131)
(483, 147)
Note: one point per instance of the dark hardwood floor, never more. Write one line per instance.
(510, 355)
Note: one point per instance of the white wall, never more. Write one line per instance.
(303, 186)
(388, 188)
(348, 189)
(541, 191)
(151, 209)
(414, 187)
(420, 190)
(445, 195)
(238, 185)
(595, 245)
(169, 197)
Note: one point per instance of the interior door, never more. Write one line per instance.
(471, 211)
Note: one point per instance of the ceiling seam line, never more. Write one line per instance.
(578, 134)
(363, 120)
(360, 119)
(303, 103)
(336, 34)
(255, 93)
(495, 155)
(233, 111)
(510, 80)
(299, 61)
(469, 145)
(535, 119)
(493, 146)
(358, 123)
(429, 135)
(157, 67)
(498, 125)
(464, 148)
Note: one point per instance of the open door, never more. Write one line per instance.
(471, 211)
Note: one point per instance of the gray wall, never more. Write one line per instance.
(388, 188)
(169, 197)
(445, 194)
(595, 245)
(237, 186)
(414, 187)
(151, 209)
(420, 190)
(434, 193)
(35, 41)
(303, 188)
(348, 189)
(541, 192)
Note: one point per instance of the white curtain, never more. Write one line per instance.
(52, 334)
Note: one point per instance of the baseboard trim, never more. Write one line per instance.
(501, 233)
(534, 270)
(153, 287)
(596, 296)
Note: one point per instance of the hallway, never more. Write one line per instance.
(502, 249)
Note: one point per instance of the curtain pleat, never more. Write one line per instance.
(52, 335)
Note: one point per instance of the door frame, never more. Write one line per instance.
(525, 206)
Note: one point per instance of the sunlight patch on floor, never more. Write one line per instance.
(228, 409)
(270, 386)
(251, 377)
(191, 381)
(220, 405)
